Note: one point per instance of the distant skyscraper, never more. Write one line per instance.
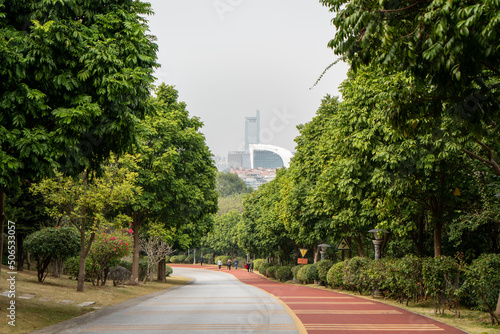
(252, 130)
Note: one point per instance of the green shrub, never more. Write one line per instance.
(263, 267)
(125, 264)
(72, 266)
(404, 278)
(177, 258)
(483, 283)
(441, 278)
(323, 267)
(167, 259)
(52, 243)
(257, 263)
(168, 271)
(143, 268)
(271, 271)
(355, 276)
(308, 273)
(335, 275)
(284, 273)
(295, 270)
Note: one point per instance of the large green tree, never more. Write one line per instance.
(450, 49)
(89, 205)
(176, 172)
(74, 80)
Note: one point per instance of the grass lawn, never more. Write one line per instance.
(46, 309)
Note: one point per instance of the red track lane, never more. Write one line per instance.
(323, 311)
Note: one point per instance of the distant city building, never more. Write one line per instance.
(252, 130)
(269, 156)
(258, 163)
(221, 163)
(255, 177)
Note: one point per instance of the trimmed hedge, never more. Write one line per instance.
(263, 267)
(308, 273)
(257, 263)
(284, 273)
(271, 271)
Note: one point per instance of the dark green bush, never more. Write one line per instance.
(308, 273)
(177, 258)
(441, 278)
(168, 271)
(257, 263)
(284, 273)
(72, 267)
(271, 271)
(263, 268)
(125, 264)
(52, 243)
(355, 276)
(323, 267)
(295, 270)
(335, 275)
(482, 281)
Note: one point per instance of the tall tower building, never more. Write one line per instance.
(252, 130)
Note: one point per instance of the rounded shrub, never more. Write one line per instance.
(482, 280)
(284, 273)
(263, 267)
(295, 270)
(355, 278)
(308, 273)
(168, 271)
(271, 271)
(52, 243)
(441, 278)
(72, 266)
(323, 267)
(257, 263)
(335, 275)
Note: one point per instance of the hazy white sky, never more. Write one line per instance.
(228, 58)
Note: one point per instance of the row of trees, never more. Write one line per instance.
(412, 146)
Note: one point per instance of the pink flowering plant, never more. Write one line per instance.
(108, 246)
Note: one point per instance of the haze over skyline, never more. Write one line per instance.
(228, 58)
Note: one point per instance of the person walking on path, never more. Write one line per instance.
(247, 267)
(201, 260)
(235, 264)
(229, 263)
(250, 266)
(219, 263)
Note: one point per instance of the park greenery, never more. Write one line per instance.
(97, 164)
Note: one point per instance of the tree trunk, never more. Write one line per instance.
(162, 273)
(2, 221)
(84, 251)
(361, 251)
(134, 278)
(497, 311)
(438, 228)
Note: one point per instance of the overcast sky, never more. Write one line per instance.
(228, 58)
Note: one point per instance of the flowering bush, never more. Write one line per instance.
(107, 246)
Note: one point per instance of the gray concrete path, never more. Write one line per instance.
(214, 302)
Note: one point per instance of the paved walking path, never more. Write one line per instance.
(322, 311)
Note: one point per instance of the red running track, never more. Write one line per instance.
(323, 311)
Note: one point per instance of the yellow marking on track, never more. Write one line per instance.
(347, 312)
(372, 327)
(193, 327)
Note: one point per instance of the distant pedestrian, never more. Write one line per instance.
(229, 263)
(201, 260)
(251, 266)
(247, 266)
(219, 263)
(235, 264)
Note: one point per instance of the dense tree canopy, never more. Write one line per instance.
(176, 172)
(75, 77)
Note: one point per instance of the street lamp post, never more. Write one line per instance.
(323, 248)
(377, 243)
